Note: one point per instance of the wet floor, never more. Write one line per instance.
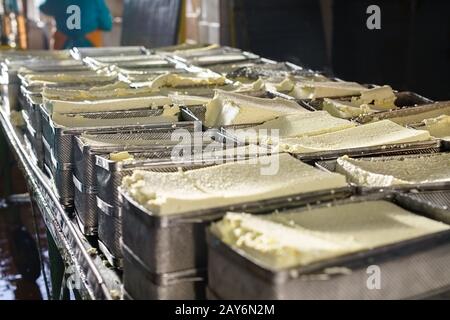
(24, 262)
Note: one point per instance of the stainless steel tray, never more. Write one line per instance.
(10, 93)
(81, 53)
(404, 112)
(407, 269)
(405, 99)
(140, 284)
(35, 138)
(84, 177)
(330, 166)
(385, 150)
(109, 176)
(85, 203)
(172, 243)
(432, 203)
(58, 144)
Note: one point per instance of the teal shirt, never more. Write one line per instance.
(95, 15)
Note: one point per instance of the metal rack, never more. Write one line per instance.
(84, 266)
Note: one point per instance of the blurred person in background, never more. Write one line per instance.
(79, 23)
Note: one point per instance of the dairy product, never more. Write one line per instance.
(226, 184)
(187, 100)
(345, 109)
(293, 125)
(379, 98)
(232, 108)
(380, 172)
(169, 114)
(115, 90)
(438, 127)
(324, 89)
(370, 101)
(74, 76)
(120, 156)
(173, 80)
(61, 106)
(299, 238)
(373, 134)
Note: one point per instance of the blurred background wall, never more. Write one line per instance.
(411, 51)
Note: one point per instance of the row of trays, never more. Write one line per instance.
(175, 257)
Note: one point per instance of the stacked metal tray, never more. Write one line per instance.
(109, 176)
(213, 56)
(58, 144)
(167, 246)
(404, 112)
(409, 269)
(81, 53)
(330, 166)
(405, 99)
(150, 142)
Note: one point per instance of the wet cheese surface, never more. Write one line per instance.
(379, 172)
(233, 108)
(373, 134)
(226, 184)
(293, 125)
(299, 238)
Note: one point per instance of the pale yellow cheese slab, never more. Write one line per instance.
(300, 238)
(373, 134)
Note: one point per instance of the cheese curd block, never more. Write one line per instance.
(379, 172)
(169, 114)
(438, 127)
(61, 106)
(111, 91)
(324, 89)
(74, 76)
(187, 100)
(226, 184)
(345, 109)
(379, 98)
(373, 134)
(173, 80)
(228, 108)
(293, 125)
(370, 101)
(299, 238)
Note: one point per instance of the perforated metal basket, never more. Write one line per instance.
(167, 244)
(151, 145)
(408, 269)
(58, 140)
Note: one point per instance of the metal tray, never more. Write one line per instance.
(109, 202)
(58, 145)
(330, 166)
(172, 243)
(35, 138)
(385, 150)
(140, 284)
(84, 177)
(432, 203)
(81, 53)
(404, 112)
(408, 269)
(405, 99)
(10, 93)
(85, 203)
